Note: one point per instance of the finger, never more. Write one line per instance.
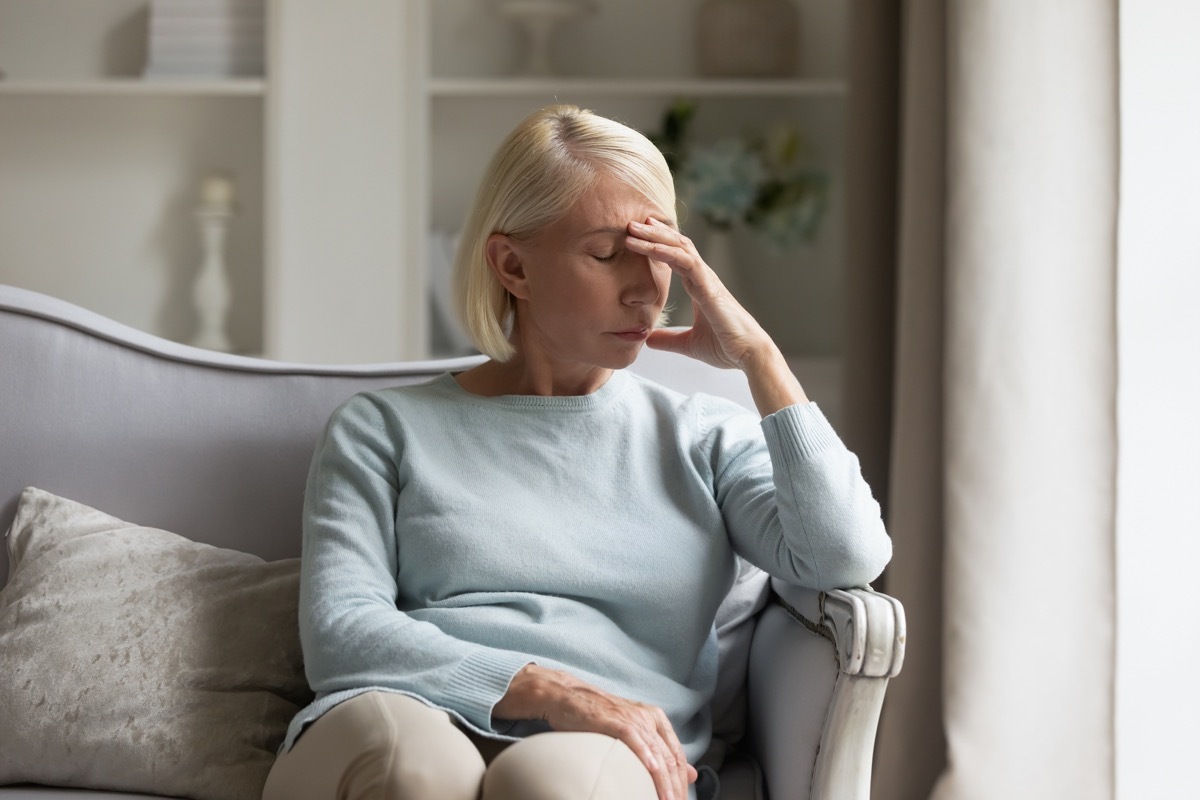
(670, 766)
(660, 232)
(667, 732)
(656, 232)
(649, 751)
(666, 252)
(671, 341)
(668, 774)
(697, 279)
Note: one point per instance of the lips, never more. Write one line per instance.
(633, 334)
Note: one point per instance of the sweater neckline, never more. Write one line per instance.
(611, 389)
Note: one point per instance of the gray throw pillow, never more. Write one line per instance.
(133, 659)
(736, 619)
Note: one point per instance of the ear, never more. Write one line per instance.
(505, 263)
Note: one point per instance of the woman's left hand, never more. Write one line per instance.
(723, 334)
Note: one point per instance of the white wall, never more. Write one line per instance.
(1158, 518)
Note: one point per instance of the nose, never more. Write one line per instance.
(643, 285)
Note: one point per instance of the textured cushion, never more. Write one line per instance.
(134, 659)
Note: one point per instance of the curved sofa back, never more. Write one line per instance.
(211, 446)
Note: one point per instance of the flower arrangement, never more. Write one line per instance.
(757, 180)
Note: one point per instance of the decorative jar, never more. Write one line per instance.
(747, 38)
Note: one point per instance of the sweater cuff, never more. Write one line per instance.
(479, 682)
(798, 432)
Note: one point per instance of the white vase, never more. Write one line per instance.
(719, 254)
(540, 19)
(211, 293)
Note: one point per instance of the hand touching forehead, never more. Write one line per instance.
(603, 212)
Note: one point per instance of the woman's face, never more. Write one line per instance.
(588, 301)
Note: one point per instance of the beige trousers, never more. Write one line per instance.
(385, 746)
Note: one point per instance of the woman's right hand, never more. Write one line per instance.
(569, 704)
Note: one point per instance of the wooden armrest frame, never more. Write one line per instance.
(867, 632)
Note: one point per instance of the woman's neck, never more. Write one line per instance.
(521, 377)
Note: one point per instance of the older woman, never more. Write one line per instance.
(510, 574)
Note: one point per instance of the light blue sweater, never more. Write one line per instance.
(450, 539)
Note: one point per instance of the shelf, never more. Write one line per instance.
(234, 87)
(691, 87)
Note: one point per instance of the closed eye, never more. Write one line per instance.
(608, 257)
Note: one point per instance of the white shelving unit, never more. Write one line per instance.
(100, 169)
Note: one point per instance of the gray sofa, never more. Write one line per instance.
(215, 448)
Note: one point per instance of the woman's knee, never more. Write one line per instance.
(383, 747)
(568, 766)
(421, 754)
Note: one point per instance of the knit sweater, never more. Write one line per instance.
(451, 539)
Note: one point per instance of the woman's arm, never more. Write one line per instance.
(798, 507)
(792, 495)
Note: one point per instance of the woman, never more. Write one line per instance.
(510, 574)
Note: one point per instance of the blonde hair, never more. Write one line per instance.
(538, 173)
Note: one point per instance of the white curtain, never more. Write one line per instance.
(1158, 472)
(1021, 257)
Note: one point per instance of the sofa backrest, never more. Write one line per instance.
(211, 446)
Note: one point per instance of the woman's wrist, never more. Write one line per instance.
(772, 383)
(525, 698)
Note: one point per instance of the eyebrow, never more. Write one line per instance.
(622, 230)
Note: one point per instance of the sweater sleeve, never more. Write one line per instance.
(351, 631)
(794, 500)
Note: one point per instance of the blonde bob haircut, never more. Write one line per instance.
(540, 171)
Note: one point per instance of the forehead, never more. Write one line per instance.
(610, 203)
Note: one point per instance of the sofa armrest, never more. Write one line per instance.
(818, 675)
(866, 627)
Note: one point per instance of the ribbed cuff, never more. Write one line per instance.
(480, 681)
(798, 432)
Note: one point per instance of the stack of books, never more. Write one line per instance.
(206, 39)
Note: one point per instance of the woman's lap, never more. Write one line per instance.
(385, 745)
(556, 766)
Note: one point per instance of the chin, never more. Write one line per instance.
(622, 360)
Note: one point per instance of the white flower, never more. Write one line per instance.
(721, 181)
